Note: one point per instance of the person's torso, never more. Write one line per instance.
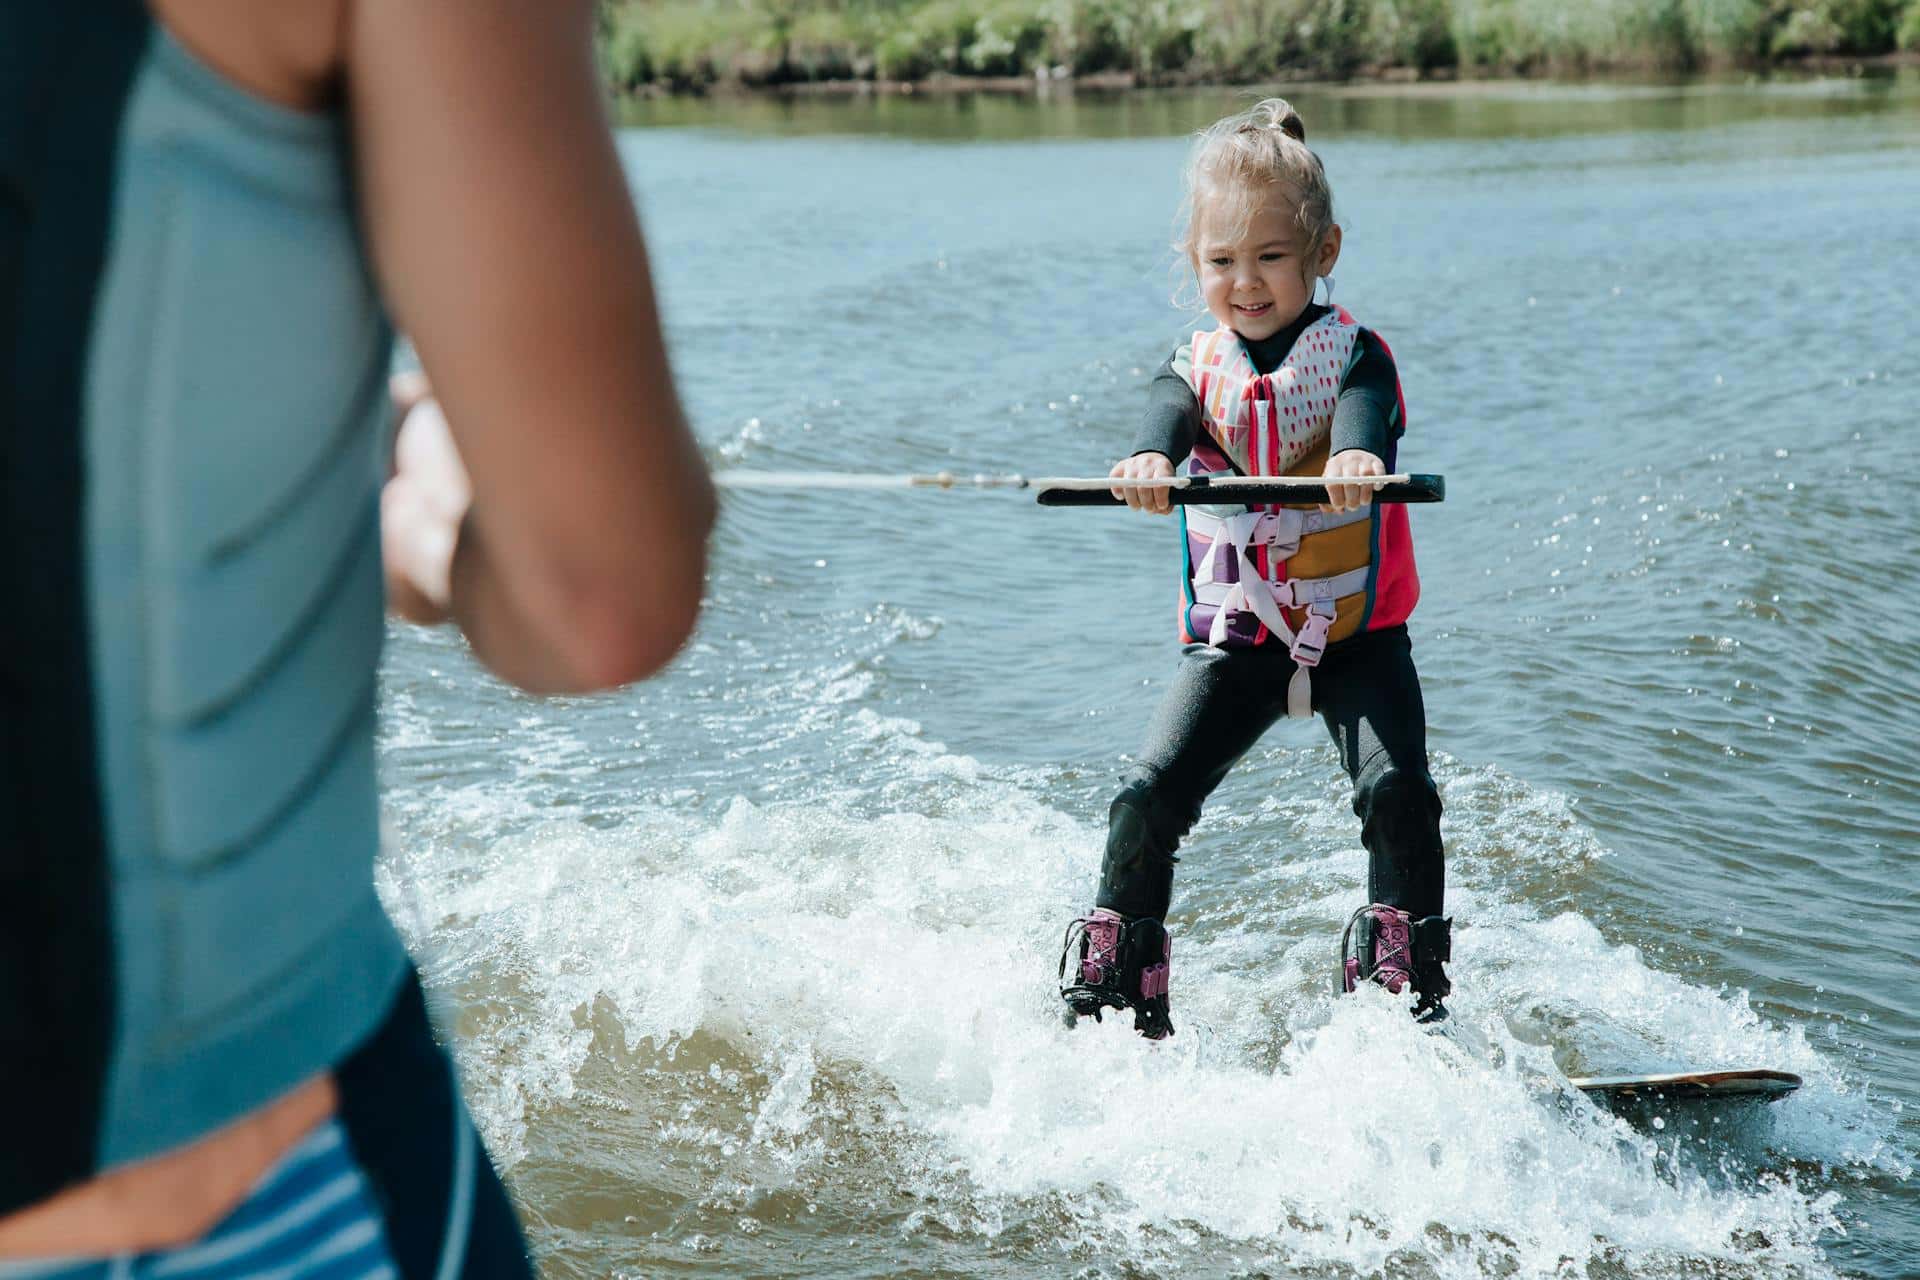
(1326, 575)
(190, 421)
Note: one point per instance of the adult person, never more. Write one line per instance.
(214, 1055)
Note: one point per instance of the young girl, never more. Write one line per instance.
(1286, 610)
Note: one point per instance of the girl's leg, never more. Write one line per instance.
(1119, 956)
(1368, 693)
(1220, 702)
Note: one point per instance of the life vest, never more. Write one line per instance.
(1285, 573)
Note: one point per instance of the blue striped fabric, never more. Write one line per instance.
(310, 1217)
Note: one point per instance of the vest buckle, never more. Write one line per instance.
(1310, 642)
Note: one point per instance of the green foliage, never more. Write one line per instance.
(1018, 37)
(829, 44)
(1147, 37)
(1868, 26)
(1158, 36)
(681, 44)
(1009, 39)
(1254, 39)
(932, 38)
(623, 56)
(1657, 32)
(1838, 26)
(1485, 34)
(1730, 30)
(690, 44)
(1410, 33)
(1331, 35)
(1085, 36)
(1525, 35)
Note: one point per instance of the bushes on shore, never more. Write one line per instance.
(688, 45)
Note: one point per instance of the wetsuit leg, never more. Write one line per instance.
(1220, 702)
(1368, 693)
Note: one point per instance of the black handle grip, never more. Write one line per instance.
(1415, 489)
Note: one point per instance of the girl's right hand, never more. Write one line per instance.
(1144, 466)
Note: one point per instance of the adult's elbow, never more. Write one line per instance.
(630, 629)
(620, 647)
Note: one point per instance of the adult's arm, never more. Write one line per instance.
(507, 244)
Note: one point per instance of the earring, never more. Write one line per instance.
(1328, 281)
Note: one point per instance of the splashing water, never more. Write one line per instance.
(868, 998)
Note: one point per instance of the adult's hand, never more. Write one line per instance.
(422, 507)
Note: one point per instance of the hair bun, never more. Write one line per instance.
(1278, 113)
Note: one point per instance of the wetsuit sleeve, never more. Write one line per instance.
(1172, 423)
(1367, 415)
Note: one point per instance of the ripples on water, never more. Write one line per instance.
(750, 968)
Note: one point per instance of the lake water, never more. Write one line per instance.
(751, 968)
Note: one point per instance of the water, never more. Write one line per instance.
(751, 968)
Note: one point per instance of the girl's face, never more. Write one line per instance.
(1256, 279)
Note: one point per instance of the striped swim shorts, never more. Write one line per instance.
(395, 1186)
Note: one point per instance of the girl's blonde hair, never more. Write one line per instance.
(1238, 163)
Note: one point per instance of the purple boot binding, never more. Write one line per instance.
(1118, 964)
(1385, 945)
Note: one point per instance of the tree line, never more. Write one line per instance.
(690, 45)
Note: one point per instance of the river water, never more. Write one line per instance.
(750, 969)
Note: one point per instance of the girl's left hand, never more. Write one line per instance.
(1351, 462)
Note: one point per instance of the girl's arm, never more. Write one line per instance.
(506, 243)
(1172, 424)
(1165, 437)
(1366, 422)
(1367, 415)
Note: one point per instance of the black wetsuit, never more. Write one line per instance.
(1365, 690)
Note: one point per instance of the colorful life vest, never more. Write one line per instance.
(1291, 573)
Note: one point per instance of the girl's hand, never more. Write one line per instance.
(1351, 462)
(1144, 466)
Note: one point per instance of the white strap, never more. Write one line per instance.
(1300, 693)
(1260, 599)
(1311, 591)
(1279, 530)
(1295, 593)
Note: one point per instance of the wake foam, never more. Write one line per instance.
(869, 996)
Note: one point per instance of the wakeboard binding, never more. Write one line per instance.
(1110, 962)
(1386, 946)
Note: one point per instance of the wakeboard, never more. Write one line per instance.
(1657, 1089)
(1689, 1086)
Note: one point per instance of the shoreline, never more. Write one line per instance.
(1041, 86)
